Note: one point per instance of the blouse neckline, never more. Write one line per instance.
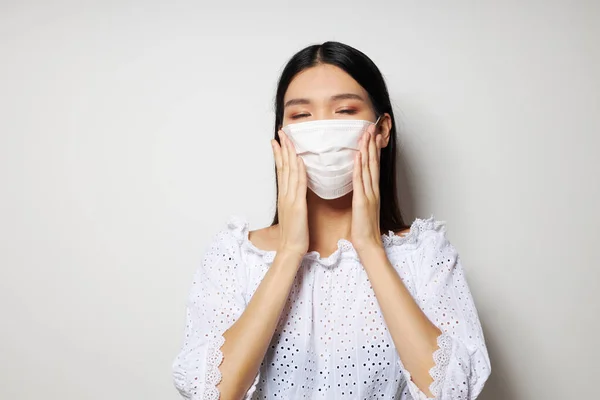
(240, 227)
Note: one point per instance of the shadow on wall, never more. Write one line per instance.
(497, 387)
(404, 186)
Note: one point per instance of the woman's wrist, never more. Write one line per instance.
(288, 257)
(373, 254)
(368, 247)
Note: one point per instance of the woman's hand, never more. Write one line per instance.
(365, 233)
(291, 201)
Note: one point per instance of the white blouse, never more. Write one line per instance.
(331, 341)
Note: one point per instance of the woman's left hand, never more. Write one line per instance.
(365, 232)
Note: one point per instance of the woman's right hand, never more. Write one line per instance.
(291, 200)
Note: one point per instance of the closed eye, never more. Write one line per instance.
(299, 116)
(346, 111)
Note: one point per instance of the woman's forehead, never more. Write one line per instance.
(322, 81)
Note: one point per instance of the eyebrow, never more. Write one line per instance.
(342, 96)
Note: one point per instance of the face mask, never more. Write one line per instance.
(327, 148)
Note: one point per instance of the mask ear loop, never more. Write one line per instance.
(376, 122)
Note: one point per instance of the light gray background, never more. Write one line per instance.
(130, 131)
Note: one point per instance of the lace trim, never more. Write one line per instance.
(441, 357)
(252, 389)
(419, 226)
(239, 226)
(214, 358)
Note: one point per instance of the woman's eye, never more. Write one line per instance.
(347, 112)
(299, 116)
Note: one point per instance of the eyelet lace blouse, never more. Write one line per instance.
(331, 341)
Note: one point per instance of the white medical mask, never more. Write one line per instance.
(327, 148)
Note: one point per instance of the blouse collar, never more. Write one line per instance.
(240, 228)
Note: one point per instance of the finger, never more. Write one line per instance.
(357, 185)
(284, 164)
(277, 157)
(374, 162)
(293, 169)
(301, 194)
(364, 156)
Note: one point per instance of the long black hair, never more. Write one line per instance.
(365, 72)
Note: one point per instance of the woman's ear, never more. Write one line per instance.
(384, 128)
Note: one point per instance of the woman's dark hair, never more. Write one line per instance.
(365, 72)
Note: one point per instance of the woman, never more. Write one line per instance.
(320, 304)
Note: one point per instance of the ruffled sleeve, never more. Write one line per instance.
(216, 300)
(462, 364)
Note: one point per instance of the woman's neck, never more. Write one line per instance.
(328, 221)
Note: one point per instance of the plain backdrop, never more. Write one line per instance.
(131, 130)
